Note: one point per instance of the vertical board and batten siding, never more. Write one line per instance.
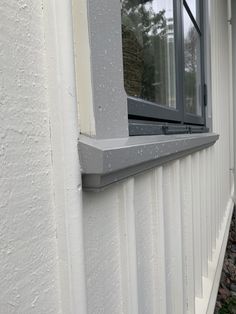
(154, 244)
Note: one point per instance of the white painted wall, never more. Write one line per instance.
(151, 244)
(155, 243)
(28, 248)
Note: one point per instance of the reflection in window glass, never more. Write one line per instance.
(148, 50)
(192, 75)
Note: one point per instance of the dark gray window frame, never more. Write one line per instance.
(110, 154)
(141, 111)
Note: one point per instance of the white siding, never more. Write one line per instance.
(154, 244)
(148, 241)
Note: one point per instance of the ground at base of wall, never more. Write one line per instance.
(226, 299)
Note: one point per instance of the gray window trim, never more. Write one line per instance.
(107, 161)
(109, 97)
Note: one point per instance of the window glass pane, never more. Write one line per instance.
(192, 75)
(194, 7)
(148, 50)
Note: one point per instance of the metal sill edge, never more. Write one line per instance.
(104, 162)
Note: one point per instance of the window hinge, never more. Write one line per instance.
(205, 94)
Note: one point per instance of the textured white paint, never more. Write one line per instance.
(28, 248)
(66, 168)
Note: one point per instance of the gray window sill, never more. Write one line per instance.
(107, 161)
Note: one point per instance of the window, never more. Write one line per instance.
(163, 66)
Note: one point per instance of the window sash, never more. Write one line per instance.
(146, 110)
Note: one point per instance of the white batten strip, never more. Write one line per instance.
(187, 234)
(128, 248)
(159, 242)
(208, 203)
(173, 239)
(214, 212)
(204, 226)
(197, 224)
